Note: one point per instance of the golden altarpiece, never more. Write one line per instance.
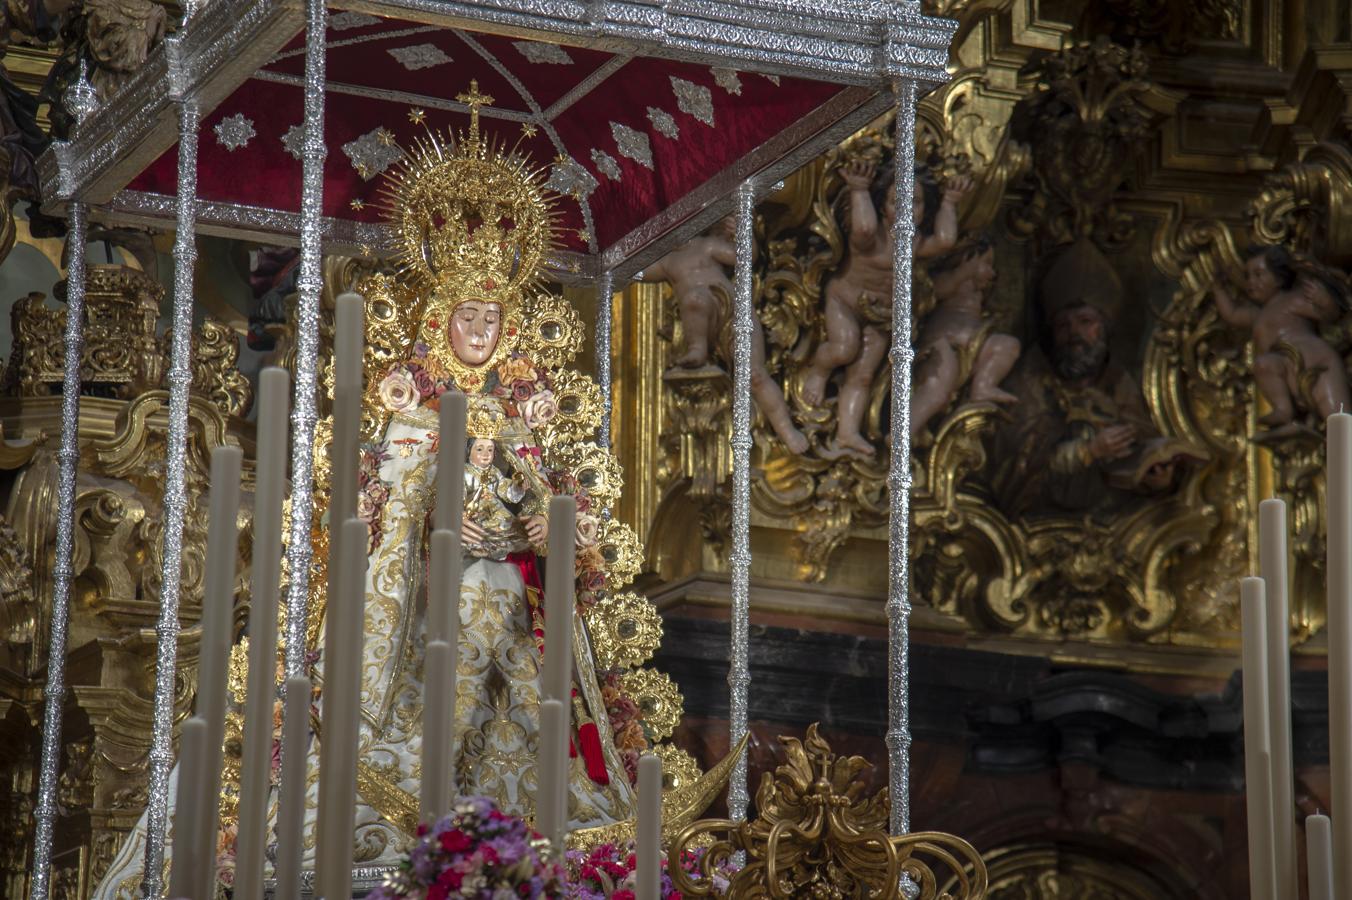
(1090, 182)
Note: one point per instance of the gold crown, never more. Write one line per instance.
(485, 420)
(473, 219)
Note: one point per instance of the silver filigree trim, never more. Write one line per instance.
(235, 132)
(541, 53)
(373, 153)
(632, 144)
(664, 123)
(606, 164)
(694, 99)
(420, 56)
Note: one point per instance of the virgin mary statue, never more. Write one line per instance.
(466, 312)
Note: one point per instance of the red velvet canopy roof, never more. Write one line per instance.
(645, 131)
(647, 114)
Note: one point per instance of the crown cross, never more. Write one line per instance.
(474, 100)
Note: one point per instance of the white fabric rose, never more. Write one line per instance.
(588, 530)
(366, 506)
(539, 409)
(398, 392)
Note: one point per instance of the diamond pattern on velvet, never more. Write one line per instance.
(606, 164)
(346, 21)
(373, 153)
(664, 123)
(420, 56)
(566, 176)
(727, 79)
(633, 144)
(235, 132)
(294, 141)
(694, 99)
(543, 54)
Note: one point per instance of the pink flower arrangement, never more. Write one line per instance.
(476, 852)
(607, 873)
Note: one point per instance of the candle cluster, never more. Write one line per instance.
(196, 823)
(1268, 768)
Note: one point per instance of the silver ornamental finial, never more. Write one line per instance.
(81, 97)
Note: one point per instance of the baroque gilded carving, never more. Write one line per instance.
(116, 552)
(817, 835)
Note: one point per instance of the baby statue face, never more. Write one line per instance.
(475, 328)
(481, 452)
(1259, 282)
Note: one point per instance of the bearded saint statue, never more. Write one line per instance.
(466, 313)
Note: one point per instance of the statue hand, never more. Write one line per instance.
(956, 188)
(537, 529)
(471, 532)
(1112, 442)
(858, 174)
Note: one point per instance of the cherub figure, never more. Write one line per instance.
(957, 343)
(697, 272)
(858, 297)
(1288, 299)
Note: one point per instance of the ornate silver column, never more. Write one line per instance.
(81, 100)
(739, 559)
(68, 458)
(899, 472)
(605, 292)
(310, 284)
(175, 495)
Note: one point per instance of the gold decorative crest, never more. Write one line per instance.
(656, 694)
(625, 629)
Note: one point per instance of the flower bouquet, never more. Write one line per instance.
(607, 873)
(478, 852)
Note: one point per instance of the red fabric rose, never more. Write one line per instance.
(455, 841)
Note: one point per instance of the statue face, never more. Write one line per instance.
(1079, 342)
(475, 328)
(481, 452)
(1259, 282)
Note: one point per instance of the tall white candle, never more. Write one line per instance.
(347, 375)
(438, 726)
(443, 593)
(451, 462)
(1339, 565)
(1272, 558)
(553, 748)
(256, 764)
(1257, 734)
(560, 605)
(292, 787)
(184, 867)
(648, 843)
(1319, 857)
(217, 606)
(340, 711)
